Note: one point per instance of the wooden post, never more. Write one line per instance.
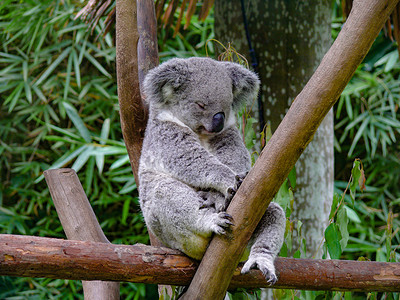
(79, 223)
(288, 142)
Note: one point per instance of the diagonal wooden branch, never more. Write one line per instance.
(67, 259)
(288, 142)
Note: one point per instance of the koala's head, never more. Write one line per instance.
(202, 93)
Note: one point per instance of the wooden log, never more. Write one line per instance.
(79, 223)
(28, 256)
(286, 145)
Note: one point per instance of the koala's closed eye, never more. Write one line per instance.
(201, 105)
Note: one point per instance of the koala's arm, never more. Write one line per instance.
(230, 150)
(176, 151)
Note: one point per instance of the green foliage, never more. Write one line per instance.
(59, 109)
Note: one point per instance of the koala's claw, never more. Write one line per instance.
(232, 190)
(228, 217)
(239, 179)
(223, 221)
(264, 265)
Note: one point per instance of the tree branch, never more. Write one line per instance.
(133, 112)
(82, 260)
(288, 142)
(79, 223)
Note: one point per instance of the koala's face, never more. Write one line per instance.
(204, 102)
(201, 93)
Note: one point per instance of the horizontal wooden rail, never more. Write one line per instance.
(28, 256)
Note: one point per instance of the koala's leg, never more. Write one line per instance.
(266, 242)
(172, 212)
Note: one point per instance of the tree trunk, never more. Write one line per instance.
(289, 39)
(30, 256)
(287, 143)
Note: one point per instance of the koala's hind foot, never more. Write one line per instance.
(264, 264)
(266, 242)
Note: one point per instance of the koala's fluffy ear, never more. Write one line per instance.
(161, 82)
(245, 84)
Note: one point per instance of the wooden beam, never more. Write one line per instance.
(28, 256)
(286, 145)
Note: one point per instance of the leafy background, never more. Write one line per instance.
(59, 108)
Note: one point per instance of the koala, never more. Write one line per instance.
(194, 159)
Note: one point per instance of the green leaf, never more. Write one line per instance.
(68, 78)
(292, 178)
(76, 68)
(100, 162)
(14, 96)
(125, 210)
(97, 64)
(120, 162)
(129, 186)
(358, 135)
(89, 175)
(78, 122)
(358, 179)
(53, 66)
(284, 196)
(82, 158)
(352, 215)
(63, 160)
(332, 239)
(335, 202)
(105, 130)
(393, 58)
(342, 222)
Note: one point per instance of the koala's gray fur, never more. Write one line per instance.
(193, 158)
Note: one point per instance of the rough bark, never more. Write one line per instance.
(290, 39)
(133, 112)
(66, 259)
(287, 143)
(147, 50)
(79, 223)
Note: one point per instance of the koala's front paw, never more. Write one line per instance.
(266, 266)
(221, 222)
(232, 190)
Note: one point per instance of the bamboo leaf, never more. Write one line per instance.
(76, 67)
(82, 158)
(120, 162)
(53, 66)
(105, 130)
(97, 64)
(358, 135)
(68, 77)
(78, 122)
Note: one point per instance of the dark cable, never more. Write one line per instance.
(254, 64)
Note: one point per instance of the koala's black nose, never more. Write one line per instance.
(218, 122)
